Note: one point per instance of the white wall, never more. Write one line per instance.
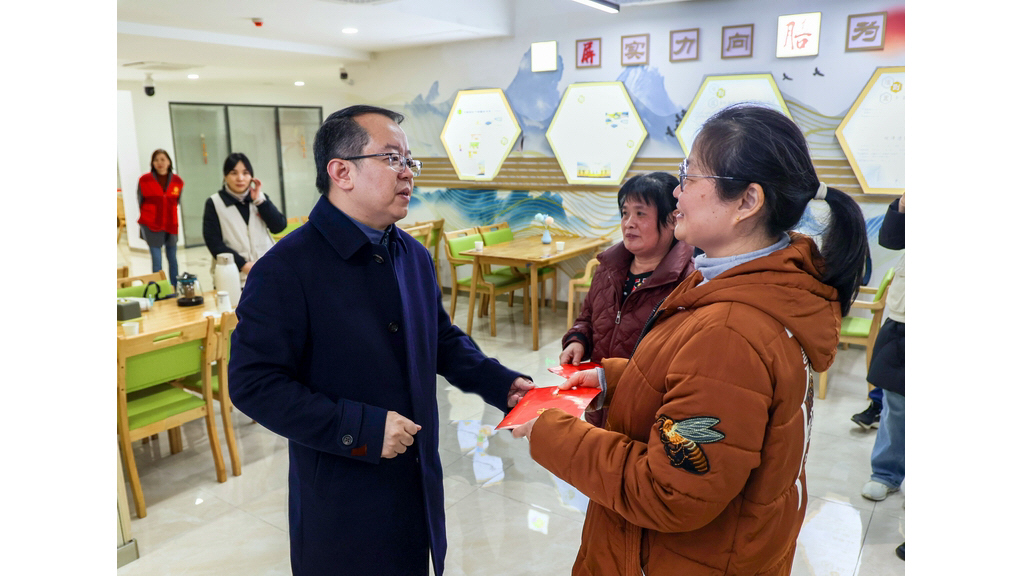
(397, 78)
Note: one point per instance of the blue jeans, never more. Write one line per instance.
(888, 464)
(875, 395)
(172, 258)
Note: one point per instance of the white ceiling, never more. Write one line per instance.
(300, 39)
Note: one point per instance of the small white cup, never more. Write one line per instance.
(559, 246)
(130, 328)
(478, 245)
(223, 301)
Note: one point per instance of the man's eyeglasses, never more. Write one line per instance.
(396, 162)
(683, 174)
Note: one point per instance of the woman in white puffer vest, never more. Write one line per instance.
(229, 225)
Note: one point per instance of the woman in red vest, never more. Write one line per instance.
(159, 192)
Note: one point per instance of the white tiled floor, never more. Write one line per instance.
(505, 514)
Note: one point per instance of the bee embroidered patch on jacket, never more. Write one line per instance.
(682, 441)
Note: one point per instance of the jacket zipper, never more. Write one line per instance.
(649, 324)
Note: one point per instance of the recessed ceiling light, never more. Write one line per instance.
(193, 76)
(300, 83)
(349, 30)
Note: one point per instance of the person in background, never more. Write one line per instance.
(341, 335)
(229, 226)
(633, 277)
(700, 467)
(159, 193)
(886, 373)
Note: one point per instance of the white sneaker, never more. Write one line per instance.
(876, 491)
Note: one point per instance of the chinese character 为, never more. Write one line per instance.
(867, 29)
(739, 42)
(685, 45)
(794, 41)
(588, 53)
(634, 50)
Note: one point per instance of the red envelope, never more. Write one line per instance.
(566, 370)
(574, 401)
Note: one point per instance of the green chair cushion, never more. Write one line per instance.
(159, 403)
(855, 327)
(884, 283)
(497, 236)
(138, 291)
(163, 365)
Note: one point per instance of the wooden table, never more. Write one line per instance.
(166, 314)
(527, 252)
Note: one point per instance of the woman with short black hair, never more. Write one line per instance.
(229, 226)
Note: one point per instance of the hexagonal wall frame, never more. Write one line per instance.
(717, 92)
(479, 133)
(596, 133)
(872, 133)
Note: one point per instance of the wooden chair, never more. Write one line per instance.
(863, 331)
(147, 404)
(293, 223)
(219, 385)
(491, 284)
(122, 272)
(122, 227)
(126, 281)
(434, 243)
(456, 261)
(421, 232)
(135, 286)
(500, 233)
(580, 284)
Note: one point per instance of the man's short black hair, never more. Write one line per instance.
(340, 136)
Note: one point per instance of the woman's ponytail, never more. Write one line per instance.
(844, 247)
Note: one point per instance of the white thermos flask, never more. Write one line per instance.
(226, 278)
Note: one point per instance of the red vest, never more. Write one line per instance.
(159, 210)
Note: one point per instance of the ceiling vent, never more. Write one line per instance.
(158, 66)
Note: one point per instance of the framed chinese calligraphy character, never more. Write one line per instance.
(865, 31)
(684, 45)
(588, 53)
(798, 35)
(738, 41)
(635, 49)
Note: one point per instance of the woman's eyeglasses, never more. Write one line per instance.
(396, 162)
(683, 174)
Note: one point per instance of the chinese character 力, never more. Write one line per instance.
(685, 45)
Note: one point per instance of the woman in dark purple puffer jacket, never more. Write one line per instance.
(633, 276)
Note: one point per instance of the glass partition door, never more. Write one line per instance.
(298, 128)
(200, 147)
(277, 140)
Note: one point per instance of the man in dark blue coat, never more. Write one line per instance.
(341, 334)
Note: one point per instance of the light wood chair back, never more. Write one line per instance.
(421, 232)
(122, 272)
(491, 285)
(122, 226)
(580, 285)
(219, 385)
(148, 404)
(126, 281)
(863, 331)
